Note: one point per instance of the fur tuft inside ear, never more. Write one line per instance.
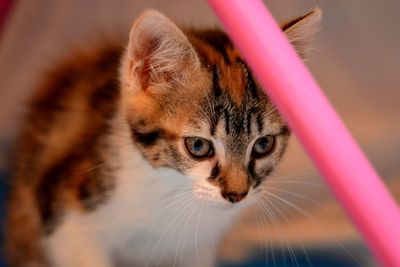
(301, 31)
(158, 52)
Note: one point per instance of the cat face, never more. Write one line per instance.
(193, 105)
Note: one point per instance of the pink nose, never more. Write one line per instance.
(233, 197)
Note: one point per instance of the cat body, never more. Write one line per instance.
(144, 155)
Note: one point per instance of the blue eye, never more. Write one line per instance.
(199, 147)
(263, 146)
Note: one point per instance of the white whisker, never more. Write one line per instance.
(189, 203)
(181, 235)
(297, 195)
(175, 198)
(197, 237)
(296, 183)
(312, 219)
(291, 226)
(275, 226)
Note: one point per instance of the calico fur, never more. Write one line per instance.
(101, 175)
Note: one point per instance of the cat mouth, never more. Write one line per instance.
(214, 198)
(209, 196)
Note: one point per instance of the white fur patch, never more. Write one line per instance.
(75, 244)
(152, 217)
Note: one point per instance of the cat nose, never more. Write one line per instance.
(233, 197)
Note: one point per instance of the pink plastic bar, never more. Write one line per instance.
(298, 97)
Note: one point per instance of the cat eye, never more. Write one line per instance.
(199, 147)
(263, 146)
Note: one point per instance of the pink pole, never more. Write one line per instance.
(312, 118)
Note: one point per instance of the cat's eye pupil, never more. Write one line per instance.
(263, 146)
(263, 143)
(199, 147)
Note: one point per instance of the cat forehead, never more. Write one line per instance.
(229, 72)
(222, 90)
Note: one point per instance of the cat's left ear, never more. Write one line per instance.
(159, 56)
(301, 31)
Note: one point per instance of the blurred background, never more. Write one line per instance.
(356, 60)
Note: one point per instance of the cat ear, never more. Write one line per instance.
(301, 31)
(159, 54)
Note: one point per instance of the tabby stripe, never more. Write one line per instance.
(214, 172)
(248, 123)
(217, 93)
(260, 122)
(218, 40)
(284, 130)
(226, 117)
(250, 82)
(251, 167)
(215, 81)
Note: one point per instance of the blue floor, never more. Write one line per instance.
(323, 257)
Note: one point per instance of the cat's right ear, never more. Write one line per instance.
(301, 31)
(159, 55)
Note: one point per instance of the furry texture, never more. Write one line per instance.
(104, 176)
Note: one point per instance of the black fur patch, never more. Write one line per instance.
(226, 117)
(215, 172)
(65, 173)
(293, 22)
(251, 84)
(284, 130)
(260, 122)
(218, 40)
(148, 138)
(251, 167)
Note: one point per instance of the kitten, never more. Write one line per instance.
(144, 155)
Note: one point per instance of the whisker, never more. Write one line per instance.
(312, 219)
(176, 199)
(289, 248)
(276, 228)
(197, 237)
(295, 175)
(181, 235)
(291, 227)
(210, 237)
(93, 168)
(296, 182)
(189, 203)
(151, 239)
(297, 195)
(265, 208)
(259, 221)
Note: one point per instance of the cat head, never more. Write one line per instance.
(193, 105)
